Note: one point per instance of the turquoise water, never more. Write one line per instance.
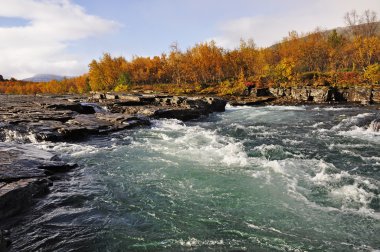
(277, 178)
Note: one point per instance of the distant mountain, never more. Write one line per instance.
(45, 78)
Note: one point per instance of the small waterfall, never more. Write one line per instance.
(375, 125)
(19, 137)
(97, 108)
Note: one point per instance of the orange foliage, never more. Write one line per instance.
(327, 57)
(71, 85)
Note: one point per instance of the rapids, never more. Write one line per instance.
(274, 178)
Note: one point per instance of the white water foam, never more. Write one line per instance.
(332, 108)
(193, 242)
(229, 107)
(316, 125)
(362, 133)
(284, 108)
(273, 151)
(352, 121)
(15, 136)
(292, 141)
(349, 192)
(174, 138)
(68, 149)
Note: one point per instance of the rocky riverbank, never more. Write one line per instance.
(310, 95)
(65, 118)
(354, 95)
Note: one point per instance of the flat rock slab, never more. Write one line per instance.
(18, 195)
(24, 172)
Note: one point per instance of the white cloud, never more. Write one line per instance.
(40, 45)
(301, 16)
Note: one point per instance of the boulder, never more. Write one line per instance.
(216, 104)
(180, 114)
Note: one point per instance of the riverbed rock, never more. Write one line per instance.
(24, 175)
(18, 195)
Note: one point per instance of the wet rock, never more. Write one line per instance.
(121, 121)
(24, 172)
(216, 104)
(18, 195)
(57, 167)
(25, 161)
(180, 114)
(5, 242)
(77, 107)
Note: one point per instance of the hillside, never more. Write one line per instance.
(44, 78)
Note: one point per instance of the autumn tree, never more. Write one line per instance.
(206, 61)
(105, 74)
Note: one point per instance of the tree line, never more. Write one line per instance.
(345, 56)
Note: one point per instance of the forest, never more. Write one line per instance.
(344, 57)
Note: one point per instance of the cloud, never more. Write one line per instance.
(40, 45)
(301, 16)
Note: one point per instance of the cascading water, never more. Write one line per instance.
(375, 125)
(270, 178)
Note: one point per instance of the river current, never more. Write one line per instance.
(273, 178)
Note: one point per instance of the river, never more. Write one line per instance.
(271, 178)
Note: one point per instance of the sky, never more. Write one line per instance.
(63, 36)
